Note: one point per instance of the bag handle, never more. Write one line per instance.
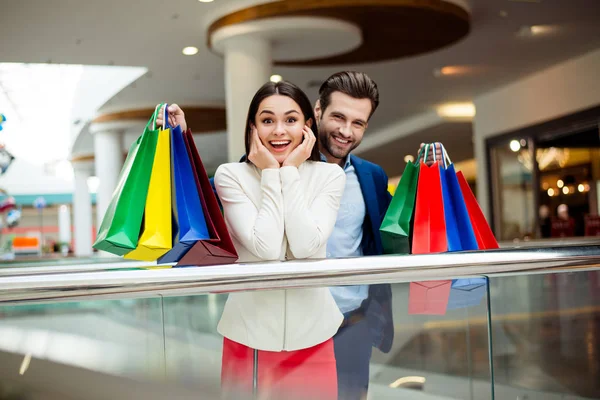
(154, 115)
(445, 157)
(166, 118)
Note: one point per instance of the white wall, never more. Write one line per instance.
(560, 90)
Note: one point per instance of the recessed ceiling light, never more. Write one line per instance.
(454, 70)
(503, 14)
(190, 51)
(409, 158)
(515, 145)
(457, 110)
(537, 30)
(205, 1)
(276, 78)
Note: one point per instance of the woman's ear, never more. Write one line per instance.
(309, 123)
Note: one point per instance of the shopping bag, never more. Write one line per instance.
(429, 231)
(219, 249)
(483, 233)
(395, 228)
(428, 298)
(459, 232)
(157, 237)
(120, 228)
(467, 292)
(188, 206)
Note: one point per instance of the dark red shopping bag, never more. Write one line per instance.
(219, 248)
(429, 225)
(483, 233)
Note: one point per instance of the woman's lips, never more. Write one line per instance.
(279, 146)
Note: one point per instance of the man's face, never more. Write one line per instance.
(342, 125)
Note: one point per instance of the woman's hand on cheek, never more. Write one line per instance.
(303, 151)
(259, 154)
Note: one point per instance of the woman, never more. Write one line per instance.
(280, 204)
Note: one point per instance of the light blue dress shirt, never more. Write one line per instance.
(346, 239)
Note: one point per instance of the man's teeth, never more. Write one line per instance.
(341, 140)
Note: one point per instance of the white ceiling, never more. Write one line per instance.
(152, 33)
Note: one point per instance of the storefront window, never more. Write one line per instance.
(512, 177)
(552, 195)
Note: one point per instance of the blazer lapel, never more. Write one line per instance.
(367, 187)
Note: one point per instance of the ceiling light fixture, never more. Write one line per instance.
(276, 78)
(565, 190)
(205, 1)
(515, 145)
(560, 183)
(409, 158)
(536, 30)
(452, 70)
(550, 192)
(581, 188)
(190, 51)
(457, 110)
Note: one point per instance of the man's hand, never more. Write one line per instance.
(439, 155)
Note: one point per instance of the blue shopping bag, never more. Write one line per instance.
(466, 292)
(189, 214)
(459, 231)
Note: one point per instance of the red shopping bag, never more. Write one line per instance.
(219, 248)
(430, 297)
(483, 233)
(429, 225)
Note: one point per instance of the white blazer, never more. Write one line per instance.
(280, 214)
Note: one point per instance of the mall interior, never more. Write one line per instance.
(511, 88)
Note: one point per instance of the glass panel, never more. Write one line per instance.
(568, 179)
(424, 356)
(443, 356)
(121, 337)
(512, 167)
(546, 336)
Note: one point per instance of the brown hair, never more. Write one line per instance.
(355, 84)
(282, 88)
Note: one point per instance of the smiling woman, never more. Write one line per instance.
(281, 116)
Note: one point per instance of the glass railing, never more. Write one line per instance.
(516, 324)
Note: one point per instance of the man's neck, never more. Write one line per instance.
(332, 160)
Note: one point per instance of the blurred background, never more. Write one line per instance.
(509, 86)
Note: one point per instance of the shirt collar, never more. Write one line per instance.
(347, 164)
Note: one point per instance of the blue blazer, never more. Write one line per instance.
(374, 186)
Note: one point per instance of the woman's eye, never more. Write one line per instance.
(267, 121)
(291, 120)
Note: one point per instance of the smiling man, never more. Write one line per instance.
(347, 100)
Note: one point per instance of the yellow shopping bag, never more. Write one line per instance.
(157, 238)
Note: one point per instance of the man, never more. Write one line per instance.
(347, 100)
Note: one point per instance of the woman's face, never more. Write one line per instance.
(279, 121)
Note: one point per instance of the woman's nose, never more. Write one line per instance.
(279, 129)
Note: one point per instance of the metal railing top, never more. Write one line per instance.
(147, 281)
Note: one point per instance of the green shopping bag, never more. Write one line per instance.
(121, 225)
(395, 228)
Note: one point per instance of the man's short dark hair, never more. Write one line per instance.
(355, 84)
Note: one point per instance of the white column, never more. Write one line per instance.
(82, 210)
(248, 62)
(108, 160)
